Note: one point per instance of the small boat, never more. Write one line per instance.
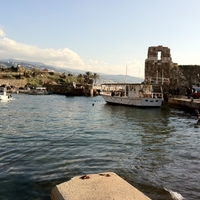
(133, 94)
(4, 96)
(39, 91)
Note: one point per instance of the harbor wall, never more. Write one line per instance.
(57, 89)
(191, 104)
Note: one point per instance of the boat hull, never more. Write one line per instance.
(5, 98)
(138, 102)
(39, 91)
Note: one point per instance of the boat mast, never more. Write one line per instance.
(157, 77)
(126, 75)
(139, 73)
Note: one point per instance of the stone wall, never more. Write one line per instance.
(157, 67)
(13, 82)
(160, 69)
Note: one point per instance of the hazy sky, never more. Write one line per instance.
(99, 35)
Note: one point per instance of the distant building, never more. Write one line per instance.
(45, 70)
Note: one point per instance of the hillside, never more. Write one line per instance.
(103, 78)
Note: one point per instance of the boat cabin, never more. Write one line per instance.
(132, 90)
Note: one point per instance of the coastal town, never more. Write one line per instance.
(177, 81)
(178, 86)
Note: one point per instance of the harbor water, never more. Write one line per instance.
(48, 139)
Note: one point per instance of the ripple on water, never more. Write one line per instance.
(46, 140)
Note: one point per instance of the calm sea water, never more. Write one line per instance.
(46, 140)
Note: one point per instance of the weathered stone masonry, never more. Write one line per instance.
(160, 69)
(158, 63)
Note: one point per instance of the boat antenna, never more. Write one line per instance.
(126, 74)
(139, 73)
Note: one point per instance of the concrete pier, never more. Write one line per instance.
(103, 186)
(184, 102)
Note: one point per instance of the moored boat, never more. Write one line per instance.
(133, 94)
(4, 96)
(39, 91)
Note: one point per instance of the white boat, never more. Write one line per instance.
(133, 94)
(4, 96)
(39, 91)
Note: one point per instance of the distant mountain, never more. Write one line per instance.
(103, 78)
(27, 64)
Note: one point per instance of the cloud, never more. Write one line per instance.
(64, 58)
(2, 34)
(133, 68)
(103, 67)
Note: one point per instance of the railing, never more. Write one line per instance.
(157, 80)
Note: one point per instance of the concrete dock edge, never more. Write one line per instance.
(103, 186)
(185, 103)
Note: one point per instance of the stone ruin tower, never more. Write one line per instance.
(158, 65)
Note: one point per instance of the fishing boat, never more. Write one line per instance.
(132, 94)
(39, 91)
(4, 96)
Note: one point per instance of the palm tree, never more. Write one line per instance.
(80, 78)
(87, 77)
(95, 76)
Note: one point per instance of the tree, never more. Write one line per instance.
(87, 77)
(95, 76)
(80, 78)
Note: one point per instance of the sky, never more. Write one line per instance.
(100, 36)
